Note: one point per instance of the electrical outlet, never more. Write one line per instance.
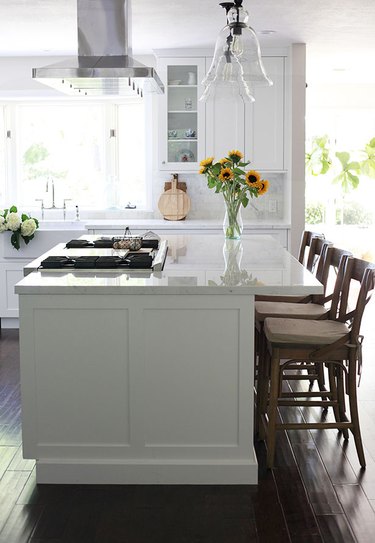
(272, 206)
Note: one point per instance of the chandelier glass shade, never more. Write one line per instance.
(237, 63)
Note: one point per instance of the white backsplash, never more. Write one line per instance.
(206, 204)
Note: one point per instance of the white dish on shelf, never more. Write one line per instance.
(175, 82)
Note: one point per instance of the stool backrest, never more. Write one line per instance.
(357, 287)
(333, 276)
(316, 256)
(306, 239)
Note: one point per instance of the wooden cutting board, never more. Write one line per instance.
(174, 204)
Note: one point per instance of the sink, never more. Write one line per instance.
(48, 234)
(61, 225)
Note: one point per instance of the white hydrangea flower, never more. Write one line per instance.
(13, 221)
(3, 224)
(28, 227)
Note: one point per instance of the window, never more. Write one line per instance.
(132, 152)
(2, 156)
(93, 154)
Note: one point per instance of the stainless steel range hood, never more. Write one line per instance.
(104, 66)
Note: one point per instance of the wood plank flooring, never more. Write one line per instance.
(316, 493)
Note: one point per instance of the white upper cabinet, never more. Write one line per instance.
(190, 130)
(181, 115)
(264, 120)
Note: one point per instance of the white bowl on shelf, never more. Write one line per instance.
(175, 82)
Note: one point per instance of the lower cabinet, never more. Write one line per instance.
(12, 263)
(10, 274)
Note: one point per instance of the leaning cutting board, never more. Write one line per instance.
(174, 204)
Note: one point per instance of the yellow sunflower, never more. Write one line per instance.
(205, 163)
(223, 161)
(264, 185)
(252, 178)
(235, 155)
(226, 174)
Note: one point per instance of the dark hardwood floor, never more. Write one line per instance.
(317, 491)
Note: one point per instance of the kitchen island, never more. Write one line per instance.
(144, 377)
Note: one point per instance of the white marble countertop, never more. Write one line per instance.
(195, 265)
(187, 224)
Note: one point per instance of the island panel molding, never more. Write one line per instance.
(132, 402)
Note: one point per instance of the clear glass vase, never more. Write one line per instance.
(233, 225)
(232, 252)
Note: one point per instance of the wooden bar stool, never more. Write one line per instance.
(333, 264)
(334, 343)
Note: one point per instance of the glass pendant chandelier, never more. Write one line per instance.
(237, 64)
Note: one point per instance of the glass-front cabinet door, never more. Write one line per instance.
(181, 121)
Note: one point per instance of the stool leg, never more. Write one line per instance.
(262, 388)
(272, 407)
(354, 411)
(341, 400)
(334, 392)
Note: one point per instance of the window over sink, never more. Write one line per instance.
(95, 154)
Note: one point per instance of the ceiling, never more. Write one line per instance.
(338, 33)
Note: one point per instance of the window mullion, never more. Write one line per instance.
(111, 140)
(11, 165)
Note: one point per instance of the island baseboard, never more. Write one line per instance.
(85, 471)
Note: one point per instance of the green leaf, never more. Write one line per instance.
(245, 201)
(36, 222)
(347, 179)
(15, 240)
(325, 167)
(368, 164)
(368, 168)
(353, 179)
(24, 217)
(318, 161)
(343, 158)
(13, 209)
(353, 166)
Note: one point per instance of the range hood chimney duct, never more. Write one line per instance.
(104, 66)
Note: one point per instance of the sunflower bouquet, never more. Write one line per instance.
(229, 177)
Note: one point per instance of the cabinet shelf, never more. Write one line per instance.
(181, 139)
(182, 86)
(182, 111)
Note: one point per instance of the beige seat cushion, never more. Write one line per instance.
(303, 331)
(291, 311)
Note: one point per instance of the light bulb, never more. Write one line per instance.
(237, 45)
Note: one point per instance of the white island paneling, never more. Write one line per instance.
(148, 377)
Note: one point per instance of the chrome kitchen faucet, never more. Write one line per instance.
(50, 182)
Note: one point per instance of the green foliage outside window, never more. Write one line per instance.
(35, 162)
(319, 161)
